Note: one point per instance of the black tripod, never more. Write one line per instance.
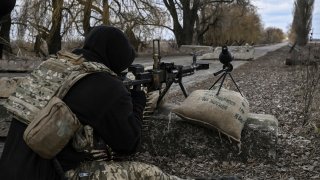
(226, 70)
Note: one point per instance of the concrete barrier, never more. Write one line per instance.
(260, 136)
(197, 49)
(238, 52)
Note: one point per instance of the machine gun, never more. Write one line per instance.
(161, 73)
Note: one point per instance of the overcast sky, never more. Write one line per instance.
(278, 13)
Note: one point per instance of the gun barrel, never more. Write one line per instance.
(187, 70)
(129, 82)
(201, 66)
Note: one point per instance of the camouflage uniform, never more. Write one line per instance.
(101, 170)
(103, 167)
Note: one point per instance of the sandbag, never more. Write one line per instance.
(226, 112)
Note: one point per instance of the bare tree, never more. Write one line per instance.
(6, 7)
(273, 35)
(302, 20)
(184, 15)
(54, 37)
(42, 19)
(209, 16)
(57, 19)
(236, 23)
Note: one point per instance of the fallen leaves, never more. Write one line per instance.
(271, 88)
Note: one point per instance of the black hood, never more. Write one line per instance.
(108, 45)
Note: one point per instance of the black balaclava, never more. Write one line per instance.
(108, 45)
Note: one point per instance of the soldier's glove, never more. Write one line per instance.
(138, 101)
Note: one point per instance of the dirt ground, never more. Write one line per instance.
(271, 87)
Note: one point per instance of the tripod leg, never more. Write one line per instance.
(235, 84)
(183, 89)
(224, 77)
(216, 81)
(164, 92)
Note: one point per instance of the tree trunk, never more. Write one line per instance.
(106, 14)
(132, 38)
(184, 33)
(54, 38)
(40, 46)
(86, 16)
(302, 20)
(5, 34)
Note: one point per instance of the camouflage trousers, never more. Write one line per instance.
(102, 170)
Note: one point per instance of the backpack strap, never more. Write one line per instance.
(73, 58)
(87, 68)
(63, 90)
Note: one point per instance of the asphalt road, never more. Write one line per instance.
(262, 50)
